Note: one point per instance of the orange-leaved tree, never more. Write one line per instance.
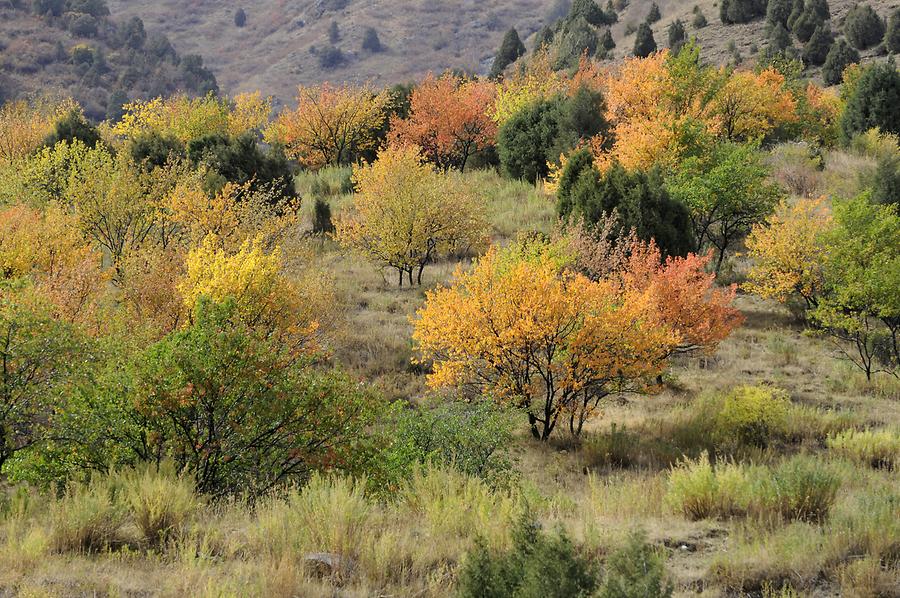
(526, 330)
(405, 214)
(686, 296)
(789, 250)
(331, 124)
(448, 120)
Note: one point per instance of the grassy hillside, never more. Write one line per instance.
(99, 60)
(274, 51)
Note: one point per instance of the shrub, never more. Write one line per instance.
(699, 19)
(653, 15)
(699, 490)
(892, 36)
(72, 127)
(803, 489)
(159, 501)
(615, 448)
(473, 438)
(537, 566)
(330, 57)
(84, 26)
(840, 56)
(640, 198)
(322, 223)
(874, 102)
(511, 48)
(524, 141)
(751, 414)
(816, 49)
(876, 448)
(885, 183)
(805, 25)
(677, 36)
(88, 517)
(635, 570)
(741, 11)
(371, 41)
(778, 12)
(574, 38)
(644, 44)
(334, 34)
(240, 17)
(863, 27)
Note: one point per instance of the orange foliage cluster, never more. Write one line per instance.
(448, 120)
(532, 332)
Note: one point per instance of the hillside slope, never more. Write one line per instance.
(99, 59)
(272, 51)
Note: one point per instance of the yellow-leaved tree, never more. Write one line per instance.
(253, 277)
(523, 328)
(331, 124)
(405, 214)
(788, 251)
(24, 125)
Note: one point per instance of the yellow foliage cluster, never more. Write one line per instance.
(788, 251)
(542, 338)
(24, 125)
(405, 214)
(187, 119)
(330, 124)
(537, 81)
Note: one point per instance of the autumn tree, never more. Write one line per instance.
(751, 105)
(24, 126)
(687, 298)
(788, 252)
(727, 193)
(448, 120)
(405, 215)
(331, 125)
(522, 329)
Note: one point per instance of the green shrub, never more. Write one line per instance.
(677, 35)
(653, 15)
(741, 11)
(892, 36)
(885, 182)
(511, 48)
(371, 42)
(750, 415)
(699, 490)
(876, 448)
(88, 517)
(644, 44)
(537, 566)
(240, 17)
(160, 502)
(840, 56)
(635, 570)
(803, 489)
(699, 19)
(863, 27)
(816, 49)
(472, 438)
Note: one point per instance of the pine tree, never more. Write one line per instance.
(371, 41)
(654, 15)
(607, 42)
(806, 24)
(863, 27)
(334, 33)
(892, 37)
(779, 39)
(875, 101)
(779, 11)
(511, 48)
(796, 11)
(699, 20)
(644, 44)
(677, 36)
(840, 56)
(816, 49)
